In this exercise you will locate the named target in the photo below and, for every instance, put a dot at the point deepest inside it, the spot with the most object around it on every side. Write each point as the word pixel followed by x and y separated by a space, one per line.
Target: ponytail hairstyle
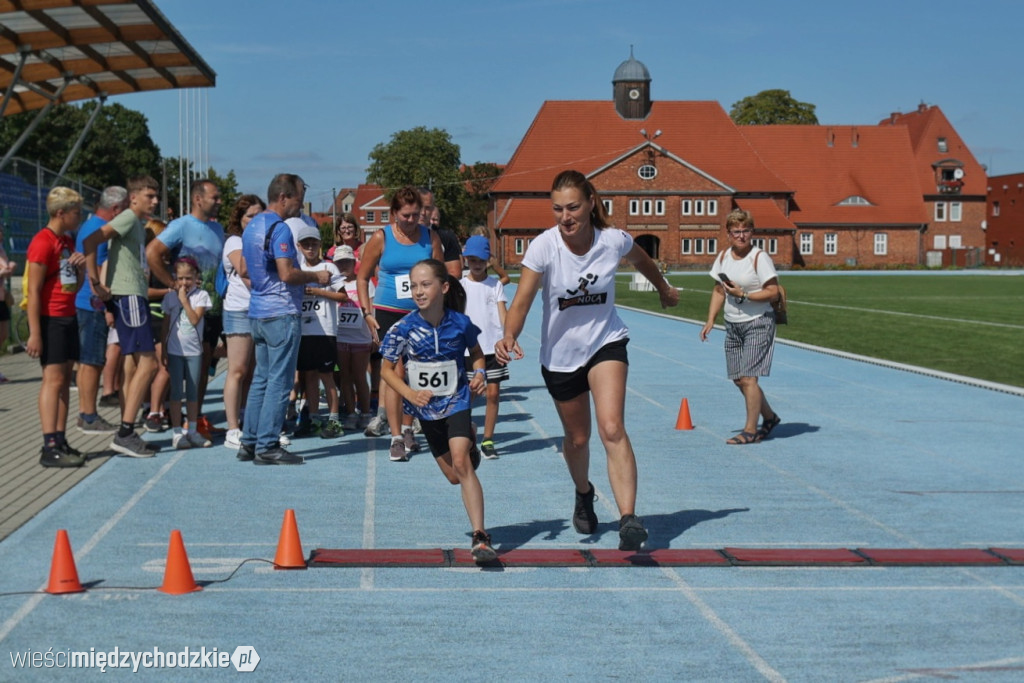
pixel 576 180
pixel 455 297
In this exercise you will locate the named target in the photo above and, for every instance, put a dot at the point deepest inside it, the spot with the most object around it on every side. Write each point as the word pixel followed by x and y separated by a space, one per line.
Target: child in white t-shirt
pixel 486 306
pixel 355 342
pixel 318 349
pixel 182 352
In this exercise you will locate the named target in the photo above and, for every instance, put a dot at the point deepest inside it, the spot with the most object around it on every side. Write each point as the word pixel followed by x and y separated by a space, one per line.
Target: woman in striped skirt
pixel 745 285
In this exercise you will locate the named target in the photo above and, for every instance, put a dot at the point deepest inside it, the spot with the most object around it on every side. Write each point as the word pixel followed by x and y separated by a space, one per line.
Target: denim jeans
pixel 277 350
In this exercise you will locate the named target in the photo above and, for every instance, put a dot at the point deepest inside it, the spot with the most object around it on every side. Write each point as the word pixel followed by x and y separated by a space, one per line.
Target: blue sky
pixel 310 86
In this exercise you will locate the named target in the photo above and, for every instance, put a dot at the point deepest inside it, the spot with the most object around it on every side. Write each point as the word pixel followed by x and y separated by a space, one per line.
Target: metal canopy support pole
pixel 35 122
pixel 81 138
pixel 24 52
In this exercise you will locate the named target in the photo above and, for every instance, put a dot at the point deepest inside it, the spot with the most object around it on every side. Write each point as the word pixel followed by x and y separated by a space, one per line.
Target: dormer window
pixel 855 200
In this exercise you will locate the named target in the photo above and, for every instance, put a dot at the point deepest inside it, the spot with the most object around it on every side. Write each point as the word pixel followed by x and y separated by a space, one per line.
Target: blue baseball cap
pixel 478 246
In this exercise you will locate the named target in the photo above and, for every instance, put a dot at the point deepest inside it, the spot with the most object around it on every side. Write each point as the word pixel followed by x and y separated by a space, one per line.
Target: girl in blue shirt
pixel 432 342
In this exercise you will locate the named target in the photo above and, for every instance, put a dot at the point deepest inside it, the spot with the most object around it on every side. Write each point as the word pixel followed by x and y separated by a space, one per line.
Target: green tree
pixel 227 184
pixel 478 181
pixel 424 158
pixel 772 107
pixel 116 147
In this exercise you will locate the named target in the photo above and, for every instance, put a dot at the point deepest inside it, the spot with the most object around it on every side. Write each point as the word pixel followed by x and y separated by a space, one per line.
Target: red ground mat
pixel 667 557
pixel 930 556
pixel 794 556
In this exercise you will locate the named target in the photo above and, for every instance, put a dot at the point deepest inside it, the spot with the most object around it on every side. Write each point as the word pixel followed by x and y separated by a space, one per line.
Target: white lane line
pixel 34 601
pixel 994 666
pixel 369 512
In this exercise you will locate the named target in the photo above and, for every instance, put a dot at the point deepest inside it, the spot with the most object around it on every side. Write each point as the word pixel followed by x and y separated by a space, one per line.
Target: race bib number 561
pixel 441 378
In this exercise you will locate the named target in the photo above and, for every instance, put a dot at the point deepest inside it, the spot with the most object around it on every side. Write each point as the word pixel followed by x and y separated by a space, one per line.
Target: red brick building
pixel 1005 222
pixel 670 173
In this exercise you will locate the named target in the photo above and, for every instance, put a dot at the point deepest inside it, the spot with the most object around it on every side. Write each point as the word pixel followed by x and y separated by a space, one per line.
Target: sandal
pixel 767 426
pixel 742 439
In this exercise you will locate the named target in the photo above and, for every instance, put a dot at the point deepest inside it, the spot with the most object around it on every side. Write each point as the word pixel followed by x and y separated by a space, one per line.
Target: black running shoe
pixel 632 533
pixel 584 519
pixel 246 453
pixel 54 456
pixel 278 456
pixel 482 551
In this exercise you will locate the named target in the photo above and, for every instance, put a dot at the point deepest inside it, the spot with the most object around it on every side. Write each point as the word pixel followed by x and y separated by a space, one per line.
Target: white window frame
pixel 956 212
pixel 686 245
pixel 698 246
pixel 943 146
pixel 712 207
pixel 698 207
pixel 831 244
pixel 773 245
pixel 940 212
pixel 956 242
pixel 939 242
pixel 607 206
pixel 757 242
pixel 634 207
pixel 712 245
pixel 520 245
pixel 659 207
pixel 806 243
pixel 646 207
pixel 650 169
pixel 385 216
pixel 995 209
pixel 686 207
pixel 371 216
pixel 881 244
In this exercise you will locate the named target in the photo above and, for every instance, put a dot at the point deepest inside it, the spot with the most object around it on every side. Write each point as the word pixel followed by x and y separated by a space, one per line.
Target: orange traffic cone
pixel 178 572
pixel 289 547
pixel 63 575
pixel 683 421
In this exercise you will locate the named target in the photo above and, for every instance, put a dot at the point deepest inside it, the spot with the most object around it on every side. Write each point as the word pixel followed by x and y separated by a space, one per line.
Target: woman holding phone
pixel 745 285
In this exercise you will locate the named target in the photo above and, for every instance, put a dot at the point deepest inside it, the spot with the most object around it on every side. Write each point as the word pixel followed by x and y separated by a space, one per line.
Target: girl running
pixel 432 342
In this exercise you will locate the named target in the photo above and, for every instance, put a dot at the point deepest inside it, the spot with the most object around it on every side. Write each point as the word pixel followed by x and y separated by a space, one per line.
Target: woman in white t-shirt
pixel 237 330
pixel 583 341
pixel 745 285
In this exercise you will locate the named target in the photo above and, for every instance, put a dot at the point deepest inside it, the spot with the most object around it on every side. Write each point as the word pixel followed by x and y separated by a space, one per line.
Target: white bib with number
pixel 403 288
pixel 441 378
pixel 349 317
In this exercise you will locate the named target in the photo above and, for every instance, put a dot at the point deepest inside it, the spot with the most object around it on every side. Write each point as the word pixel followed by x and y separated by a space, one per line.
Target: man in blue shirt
pixel 92 321
pixel 278 284
pixel 199 235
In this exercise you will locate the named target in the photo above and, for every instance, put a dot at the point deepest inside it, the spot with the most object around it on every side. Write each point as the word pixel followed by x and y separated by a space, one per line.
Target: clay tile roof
pixel 925 126
pixel 586 135
pixel 371 196
pixel 880 167
pixel 767 214
pixel 522 213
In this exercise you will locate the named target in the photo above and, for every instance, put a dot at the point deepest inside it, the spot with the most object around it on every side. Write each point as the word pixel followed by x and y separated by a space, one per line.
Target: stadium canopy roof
pixel 58 51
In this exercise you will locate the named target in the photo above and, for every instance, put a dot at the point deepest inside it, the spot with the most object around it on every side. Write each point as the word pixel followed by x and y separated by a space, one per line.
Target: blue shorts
pixel 92 337
pixel 132 323
pixel 236 323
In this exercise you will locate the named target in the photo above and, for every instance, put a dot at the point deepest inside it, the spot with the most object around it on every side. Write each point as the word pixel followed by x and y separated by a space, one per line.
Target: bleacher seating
pixel 22 210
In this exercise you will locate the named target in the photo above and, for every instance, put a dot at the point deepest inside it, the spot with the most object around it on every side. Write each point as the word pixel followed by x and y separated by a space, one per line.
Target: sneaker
pixel 482 550
pixel 179 440
pixel 197 440
pixel 632 533
pixel 304 429
pixel 397 452
pixel 110 400
pixel 376 426
pixel 584 520
pixel 351 422
pixel 409 439
pixel 364 421
pixel 233 439
pixel 132 445
pixel 246 453
pixel 416 427
pixel 284 440
pixel 97 426
pixel 53 456
pixel 278 456
pixel 206 428
pixel 68 449
pixel 154 423
pixel 490 452
pixel 332 430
